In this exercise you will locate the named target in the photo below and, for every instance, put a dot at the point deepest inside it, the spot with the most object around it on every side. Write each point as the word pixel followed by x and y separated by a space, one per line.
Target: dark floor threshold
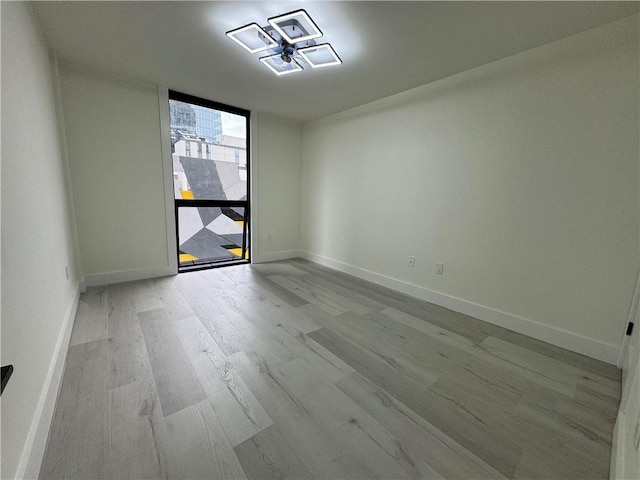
pixel 208 266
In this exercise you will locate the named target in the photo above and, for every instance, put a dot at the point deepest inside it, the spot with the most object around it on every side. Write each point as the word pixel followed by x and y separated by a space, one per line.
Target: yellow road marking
pixel 238 252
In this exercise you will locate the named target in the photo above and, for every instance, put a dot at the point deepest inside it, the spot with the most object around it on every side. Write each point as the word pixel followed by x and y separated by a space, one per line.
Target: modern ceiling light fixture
pixel 252 38
pixel 290 40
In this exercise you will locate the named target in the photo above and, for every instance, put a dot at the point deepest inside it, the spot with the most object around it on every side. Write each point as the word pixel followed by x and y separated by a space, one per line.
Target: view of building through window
pixel 209 150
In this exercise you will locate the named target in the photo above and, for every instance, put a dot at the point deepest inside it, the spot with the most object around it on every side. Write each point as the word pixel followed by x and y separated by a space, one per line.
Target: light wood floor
pixel 290 370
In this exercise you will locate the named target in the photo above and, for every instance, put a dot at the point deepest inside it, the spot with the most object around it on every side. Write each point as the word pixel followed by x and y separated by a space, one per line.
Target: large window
pixel 210 149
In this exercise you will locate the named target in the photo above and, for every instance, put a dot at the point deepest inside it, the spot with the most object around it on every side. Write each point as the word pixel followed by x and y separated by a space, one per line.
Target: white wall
pixel 520 176
pixel 38 301
pixel 113 132
pixel 277 196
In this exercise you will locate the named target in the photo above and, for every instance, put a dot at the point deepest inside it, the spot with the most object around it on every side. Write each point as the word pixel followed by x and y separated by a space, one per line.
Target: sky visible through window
pixel 233 125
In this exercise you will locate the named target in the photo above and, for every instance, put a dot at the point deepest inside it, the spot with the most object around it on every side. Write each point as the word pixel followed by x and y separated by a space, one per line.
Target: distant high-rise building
pixel 183 116
pixel 208 124
pixel 203 122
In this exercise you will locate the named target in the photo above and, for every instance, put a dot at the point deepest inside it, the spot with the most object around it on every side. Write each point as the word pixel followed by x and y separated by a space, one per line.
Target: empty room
pixel 328 240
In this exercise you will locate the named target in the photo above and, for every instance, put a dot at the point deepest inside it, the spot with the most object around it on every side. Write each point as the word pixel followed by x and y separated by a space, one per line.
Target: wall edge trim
pixel 107 278
pixel 34 448
pixel 275 256
pixel 616 468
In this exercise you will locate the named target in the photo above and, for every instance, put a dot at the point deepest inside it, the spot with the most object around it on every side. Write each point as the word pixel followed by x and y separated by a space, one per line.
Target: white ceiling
pixel 386 47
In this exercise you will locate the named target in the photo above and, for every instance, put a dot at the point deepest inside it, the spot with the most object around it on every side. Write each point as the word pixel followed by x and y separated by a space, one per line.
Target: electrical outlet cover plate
pixel 439 268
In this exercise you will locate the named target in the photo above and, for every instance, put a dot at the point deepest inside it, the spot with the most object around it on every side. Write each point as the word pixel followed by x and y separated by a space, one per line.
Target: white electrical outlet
pixel 439 268
pixel 412 261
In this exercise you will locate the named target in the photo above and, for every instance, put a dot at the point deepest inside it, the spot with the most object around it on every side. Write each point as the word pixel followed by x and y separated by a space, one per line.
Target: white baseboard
pixel 561 338
pixel 33 453
pixel 616 468
pixel 275 256
pixel 625 460
pixel 108 278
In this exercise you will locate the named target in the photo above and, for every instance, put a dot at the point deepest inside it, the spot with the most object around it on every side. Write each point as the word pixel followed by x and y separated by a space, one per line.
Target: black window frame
pixel 246 204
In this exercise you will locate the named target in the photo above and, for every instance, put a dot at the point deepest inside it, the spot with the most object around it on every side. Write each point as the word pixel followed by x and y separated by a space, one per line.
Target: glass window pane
pixel 212 234
pixel 209 149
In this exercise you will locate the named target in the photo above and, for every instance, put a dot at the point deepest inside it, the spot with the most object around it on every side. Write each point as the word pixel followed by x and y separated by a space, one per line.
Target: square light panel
pixel 318 56
pixel 252 38
pixel 279 66
pixel 295 26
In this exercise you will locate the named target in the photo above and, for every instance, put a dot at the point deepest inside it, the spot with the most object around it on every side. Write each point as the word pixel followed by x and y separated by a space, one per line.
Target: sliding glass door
pixel 210 150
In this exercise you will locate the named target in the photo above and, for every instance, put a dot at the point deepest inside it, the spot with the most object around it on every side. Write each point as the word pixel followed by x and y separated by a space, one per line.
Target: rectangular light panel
pixel 305 28
pixel 279 66
pixel 252 38
pixel 318 56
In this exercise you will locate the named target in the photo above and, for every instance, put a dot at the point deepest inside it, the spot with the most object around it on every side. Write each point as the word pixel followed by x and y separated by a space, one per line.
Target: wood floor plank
pixel 345 301
pixel 237 410
pixel 145 297
pixel 603 402
pixel 250 299
pixel 138 439
pixel 207 307
pixel 566 357
pixel 275 335
pixel 343 467
pixel 281 294
pixel 277 268
pixel 289 415
pixel 198 443
pixel 227 373
pixel 382 370
pixel 256 277
pixel 127 350
pixel 514 371
pixel 589 446
pixel 483 394
pixel 248 274
pixel 91 317
pixel 79 433
pixel 248 326
pixel 370 303
pixel 171 299
pixel 459 423
pixel 223 327
pixel 358 433
pixel 374 333
pixel 556 450
pixel 599 422
pixel 536 466
pixel 324 302
pixel 323 361
pixel 547 366
pixel 254 302
pixel 176 382
pixel 291 328
pixel 268 455
pixel 319 316
pixel 463 325
pixel 420 439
